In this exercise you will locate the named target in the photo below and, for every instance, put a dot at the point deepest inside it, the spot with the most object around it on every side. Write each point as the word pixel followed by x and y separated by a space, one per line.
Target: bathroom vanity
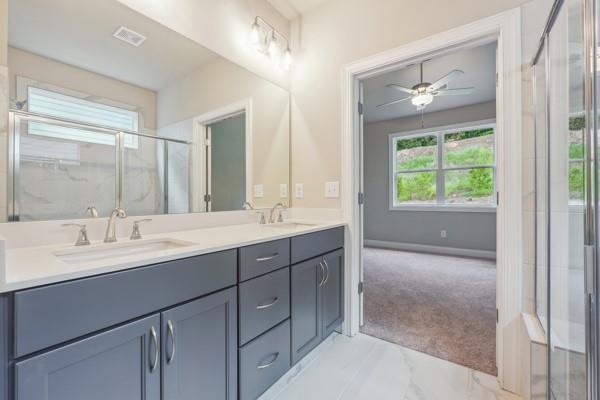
pixel 225 324
pixel 127 128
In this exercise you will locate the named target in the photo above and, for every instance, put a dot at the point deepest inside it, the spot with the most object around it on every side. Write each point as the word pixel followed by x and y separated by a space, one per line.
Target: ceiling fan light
pixel 422 99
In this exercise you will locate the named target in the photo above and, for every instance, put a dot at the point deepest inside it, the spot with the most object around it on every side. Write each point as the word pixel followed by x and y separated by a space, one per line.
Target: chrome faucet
pixel 272 215
pixel 110 235
pixel 247 206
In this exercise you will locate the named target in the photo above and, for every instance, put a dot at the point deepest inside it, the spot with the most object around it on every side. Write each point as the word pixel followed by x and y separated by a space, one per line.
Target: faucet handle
pixel 280 217
pixel 92 211
pixel 263 219
pixel 82 238
pixel 135 233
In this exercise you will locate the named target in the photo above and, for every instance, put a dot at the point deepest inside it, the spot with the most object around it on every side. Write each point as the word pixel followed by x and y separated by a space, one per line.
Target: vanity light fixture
pixel 255 35
pixel 268 41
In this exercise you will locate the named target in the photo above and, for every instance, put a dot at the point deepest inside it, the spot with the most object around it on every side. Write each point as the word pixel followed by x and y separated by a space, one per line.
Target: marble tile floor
pixel 364 367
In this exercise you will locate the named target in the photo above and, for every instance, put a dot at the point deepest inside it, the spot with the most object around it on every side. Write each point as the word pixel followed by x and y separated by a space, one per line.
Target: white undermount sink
pixel 290 225
pixel 115 250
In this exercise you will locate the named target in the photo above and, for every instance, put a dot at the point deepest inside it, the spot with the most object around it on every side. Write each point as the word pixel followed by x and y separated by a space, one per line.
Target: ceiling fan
pixel 422 94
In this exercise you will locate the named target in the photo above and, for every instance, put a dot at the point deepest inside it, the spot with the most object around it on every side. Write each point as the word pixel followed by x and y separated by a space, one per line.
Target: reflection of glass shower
pixel 59 168
pixel 566 199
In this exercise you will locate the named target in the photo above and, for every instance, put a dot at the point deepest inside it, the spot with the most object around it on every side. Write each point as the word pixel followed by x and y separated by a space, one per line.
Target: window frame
pixel 440 170
pixel 25 84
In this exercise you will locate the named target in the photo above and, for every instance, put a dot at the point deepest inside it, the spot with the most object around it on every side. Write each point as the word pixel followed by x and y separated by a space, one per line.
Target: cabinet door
pixel 333 292
pixel 306 307
pixel 199 341
pixel 120 364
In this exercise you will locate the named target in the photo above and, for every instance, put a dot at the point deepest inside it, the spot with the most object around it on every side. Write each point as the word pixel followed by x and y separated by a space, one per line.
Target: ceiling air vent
pixel 129 36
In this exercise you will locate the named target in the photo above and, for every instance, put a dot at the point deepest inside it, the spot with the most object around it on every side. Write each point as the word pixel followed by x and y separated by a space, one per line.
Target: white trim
pixel 424 248
pixel 484 123
pixel 505 28
pixel 200 124
pixel 444 208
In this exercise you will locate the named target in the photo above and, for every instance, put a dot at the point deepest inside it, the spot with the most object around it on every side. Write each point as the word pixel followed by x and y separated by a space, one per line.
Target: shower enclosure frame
pixel 15 118
pixel 590 187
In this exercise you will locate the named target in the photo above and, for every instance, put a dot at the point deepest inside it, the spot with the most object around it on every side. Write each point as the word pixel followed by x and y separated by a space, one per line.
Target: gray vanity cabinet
pixel 199 348
pixel 317 301
pixel 333 292
pixel 306 307
pixel 119 364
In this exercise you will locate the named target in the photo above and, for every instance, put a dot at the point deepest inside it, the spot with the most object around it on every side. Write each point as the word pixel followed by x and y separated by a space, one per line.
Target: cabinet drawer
pixel 262 258
pixel 264 302
pixel 50 315
pixel 314 244
pixel 264 360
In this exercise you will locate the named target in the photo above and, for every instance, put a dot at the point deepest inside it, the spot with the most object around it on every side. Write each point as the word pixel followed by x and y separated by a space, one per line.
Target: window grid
pixel 440 169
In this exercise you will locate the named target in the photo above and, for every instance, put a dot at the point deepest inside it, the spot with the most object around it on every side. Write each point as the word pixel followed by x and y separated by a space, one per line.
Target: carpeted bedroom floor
pixel 444 306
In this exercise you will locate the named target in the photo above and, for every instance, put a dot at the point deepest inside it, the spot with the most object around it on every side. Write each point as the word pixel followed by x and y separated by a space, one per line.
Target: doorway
pixel 225 155
pixel 222 163
pixel 429 225
pixel 505 28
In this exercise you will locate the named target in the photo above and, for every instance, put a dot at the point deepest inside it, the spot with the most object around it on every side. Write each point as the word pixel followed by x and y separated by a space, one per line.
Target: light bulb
pixel 422 99
pixel 255 35
pixel 273 49
pixel 287 58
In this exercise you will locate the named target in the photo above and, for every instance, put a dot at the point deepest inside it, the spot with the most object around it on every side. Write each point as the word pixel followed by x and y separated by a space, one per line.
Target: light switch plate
pixel 299 190
pixel 283 190
pixel 332 190
pixel 259 191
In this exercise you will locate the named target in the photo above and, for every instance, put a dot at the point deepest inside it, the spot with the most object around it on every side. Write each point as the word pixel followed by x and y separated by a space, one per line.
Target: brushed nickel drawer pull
pixel 171 334
pixel 267 365
pixel 262 306
pixel 327 267
pixel 154 338
pixel 322 273
pixel 267 258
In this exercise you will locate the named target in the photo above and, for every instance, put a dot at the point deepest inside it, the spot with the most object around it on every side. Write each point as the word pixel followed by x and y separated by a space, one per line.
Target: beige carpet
pixel 440 305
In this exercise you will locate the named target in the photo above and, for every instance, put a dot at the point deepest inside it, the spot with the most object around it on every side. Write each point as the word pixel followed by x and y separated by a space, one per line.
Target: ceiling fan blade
pixel 454 92
pixel 401 88
pixel 394 102
pixel 440 83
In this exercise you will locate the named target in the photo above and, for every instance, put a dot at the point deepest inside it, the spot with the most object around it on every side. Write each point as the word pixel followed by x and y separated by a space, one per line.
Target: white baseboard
pixel 423 248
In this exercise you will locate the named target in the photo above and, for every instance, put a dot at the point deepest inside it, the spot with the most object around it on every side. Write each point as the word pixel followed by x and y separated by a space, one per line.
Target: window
pixel 451 167
pixel 74 108
pixel 576 159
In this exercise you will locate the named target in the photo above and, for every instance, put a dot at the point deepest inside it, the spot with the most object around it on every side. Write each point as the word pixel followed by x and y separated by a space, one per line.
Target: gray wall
pixel 465 230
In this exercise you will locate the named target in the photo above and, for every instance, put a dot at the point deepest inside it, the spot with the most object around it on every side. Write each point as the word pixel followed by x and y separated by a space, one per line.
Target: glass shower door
pixel 566 204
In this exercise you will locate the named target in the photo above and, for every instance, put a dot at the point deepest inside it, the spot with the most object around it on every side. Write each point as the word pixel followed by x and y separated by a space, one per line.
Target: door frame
pixel 505 28
pixel 201 124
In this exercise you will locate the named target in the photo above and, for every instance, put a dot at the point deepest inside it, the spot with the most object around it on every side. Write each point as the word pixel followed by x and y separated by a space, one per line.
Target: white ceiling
pixel 478 64
pixel 79 32
pixel 293 8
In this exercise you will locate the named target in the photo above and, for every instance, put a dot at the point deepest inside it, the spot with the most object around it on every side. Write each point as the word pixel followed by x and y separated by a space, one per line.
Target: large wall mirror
pixel 111 109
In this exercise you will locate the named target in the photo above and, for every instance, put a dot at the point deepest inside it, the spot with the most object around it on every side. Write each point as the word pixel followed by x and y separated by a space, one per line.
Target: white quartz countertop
pixel 28 267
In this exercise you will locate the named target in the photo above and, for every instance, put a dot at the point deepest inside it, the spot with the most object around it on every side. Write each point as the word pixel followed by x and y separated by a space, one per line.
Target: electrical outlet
pixel 332 190
pixel 299 190
pixel 259 191
pixel 443 233
pixel 283 191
